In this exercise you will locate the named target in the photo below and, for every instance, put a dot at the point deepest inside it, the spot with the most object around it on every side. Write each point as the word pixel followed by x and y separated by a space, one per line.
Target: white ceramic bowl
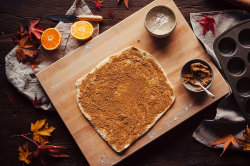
pixel 160 21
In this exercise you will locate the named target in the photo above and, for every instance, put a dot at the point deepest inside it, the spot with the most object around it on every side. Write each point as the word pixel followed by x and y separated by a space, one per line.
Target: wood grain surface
pixel 177 147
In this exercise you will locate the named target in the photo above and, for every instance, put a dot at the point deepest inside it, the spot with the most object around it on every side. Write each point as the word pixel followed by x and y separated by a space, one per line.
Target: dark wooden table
pixel 176 147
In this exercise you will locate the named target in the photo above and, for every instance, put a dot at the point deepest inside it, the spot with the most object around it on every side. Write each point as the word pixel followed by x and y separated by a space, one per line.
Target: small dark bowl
pixel 186 70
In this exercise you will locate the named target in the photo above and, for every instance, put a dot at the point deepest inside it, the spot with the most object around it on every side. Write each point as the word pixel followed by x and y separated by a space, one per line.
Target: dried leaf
pixel 41 131
pixel 43 150
pixel 208 23
pixel 34 64
pixel 38 125
pixel 10 98
pixel 22 31
pixel 20 34
pixel 45 131
pixel 23 53
pixel 111 14
pixel 30 52
pixel 27 46
pixel 245 143
pixel 98 4
pixel 125 2
pixel 35 30
pixel 226 141
pixel 55 151
pixel 24 153
pixel 23 42
pixel 28 42
pixel 37 102
pixel 40 139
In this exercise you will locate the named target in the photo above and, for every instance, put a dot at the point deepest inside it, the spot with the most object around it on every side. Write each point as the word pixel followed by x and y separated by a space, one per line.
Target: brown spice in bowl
pixel 198 71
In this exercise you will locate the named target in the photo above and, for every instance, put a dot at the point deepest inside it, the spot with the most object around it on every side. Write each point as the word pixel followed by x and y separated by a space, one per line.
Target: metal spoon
pixel 198 83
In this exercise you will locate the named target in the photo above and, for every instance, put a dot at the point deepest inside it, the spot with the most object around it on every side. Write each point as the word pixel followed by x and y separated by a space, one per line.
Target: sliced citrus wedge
pixel 51 39
pixel 82 30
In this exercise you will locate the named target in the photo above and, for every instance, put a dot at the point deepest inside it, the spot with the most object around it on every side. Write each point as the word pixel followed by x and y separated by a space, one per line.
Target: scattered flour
pixel 87 46
pixel 160 21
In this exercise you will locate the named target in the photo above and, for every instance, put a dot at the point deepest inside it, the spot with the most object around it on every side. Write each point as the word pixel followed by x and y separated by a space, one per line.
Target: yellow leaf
pixel 41 131
pixel 23 41
pixel 46 130
pixel 24 153
pixel 40 139
pixel 245 143
pixel 38 125
pixel 226 141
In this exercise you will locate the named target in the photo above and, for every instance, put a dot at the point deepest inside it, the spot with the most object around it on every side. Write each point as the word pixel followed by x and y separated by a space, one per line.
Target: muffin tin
pixel 232 48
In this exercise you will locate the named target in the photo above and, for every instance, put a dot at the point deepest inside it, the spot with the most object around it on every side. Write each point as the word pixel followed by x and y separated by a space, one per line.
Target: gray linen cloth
pixel 228 119
pixel 22 76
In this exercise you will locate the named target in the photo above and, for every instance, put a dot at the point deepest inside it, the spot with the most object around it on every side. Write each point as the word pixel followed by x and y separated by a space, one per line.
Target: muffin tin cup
pixel 232 49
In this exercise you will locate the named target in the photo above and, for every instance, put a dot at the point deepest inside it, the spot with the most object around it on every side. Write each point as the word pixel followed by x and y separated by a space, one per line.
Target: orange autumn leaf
pixel 245 143
pixel 23 53
pixel 125 2
pixel 24 153
pixel 22 31
pixel 23 41
pixel 20 34
pixel 41 131
pixel 25 49
pixel 226 141
pixel 27 45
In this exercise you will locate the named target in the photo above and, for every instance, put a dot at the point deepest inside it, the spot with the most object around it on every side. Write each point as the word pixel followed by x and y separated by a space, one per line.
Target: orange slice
pixel 51 39
pixel 82 30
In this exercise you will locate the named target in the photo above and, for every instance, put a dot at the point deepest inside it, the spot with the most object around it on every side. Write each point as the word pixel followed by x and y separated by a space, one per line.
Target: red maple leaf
pixel 10 98
pixel 34 64
pixel 55 151
pixel 35 30
pixel 43 150
pixel 37 102
pixel 98 4
pixel 208 23
pixel 111 14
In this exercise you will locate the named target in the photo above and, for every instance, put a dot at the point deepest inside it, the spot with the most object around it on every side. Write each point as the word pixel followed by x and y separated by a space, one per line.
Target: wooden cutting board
pixel 58 80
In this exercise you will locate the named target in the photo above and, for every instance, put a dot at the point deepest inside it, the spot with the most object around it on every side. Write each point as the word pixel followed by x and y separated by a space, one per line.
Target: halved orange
pixel 82 30
pixel 51 39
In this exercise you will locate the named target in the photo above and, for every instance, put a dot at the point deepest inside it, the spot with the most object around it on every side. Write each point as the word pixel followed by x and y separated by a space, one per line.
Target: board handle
pixel 90 18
